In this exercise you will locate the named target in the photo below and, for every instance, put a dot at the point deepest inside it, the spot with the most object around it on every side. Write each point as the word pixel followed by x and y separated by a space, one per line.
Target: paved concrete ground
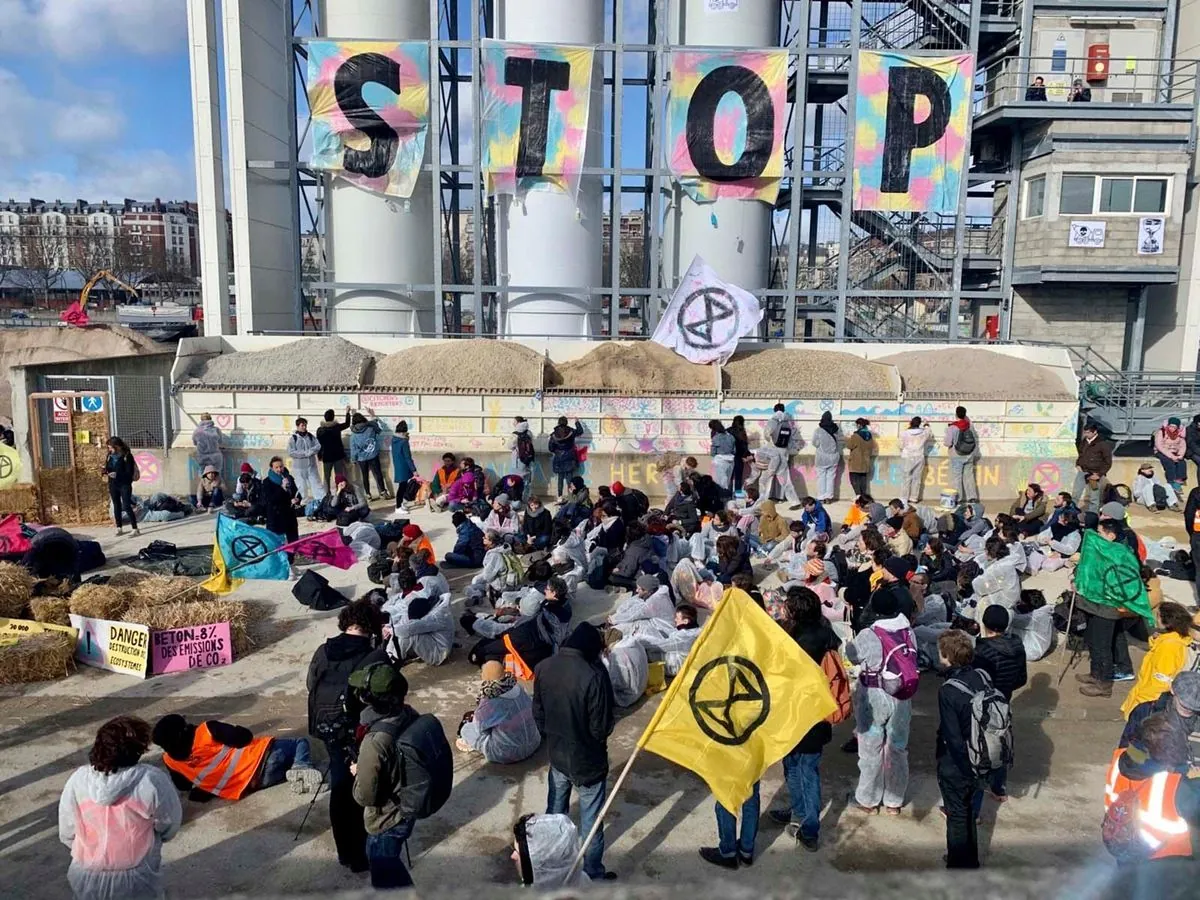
pixel 1064 742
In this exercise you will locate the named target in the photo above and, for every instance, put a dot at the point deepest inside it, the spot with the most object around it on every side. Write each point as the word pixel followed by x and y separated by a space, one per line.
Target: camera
pixel 342 734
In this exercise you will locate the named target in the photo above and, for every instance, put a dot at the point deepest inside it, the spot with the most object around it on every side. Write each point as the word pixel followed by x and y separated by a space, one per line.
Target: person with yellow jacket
pixel 1167 657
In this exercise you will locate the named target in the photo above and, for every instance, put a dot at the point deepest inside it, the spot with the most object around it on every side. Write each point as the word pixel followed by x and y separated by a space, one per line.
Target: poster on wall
pixel 726 113
pixel 1087 234
pixel 912 131
pixel 1150 235
pixel 370 112
pixel 535 101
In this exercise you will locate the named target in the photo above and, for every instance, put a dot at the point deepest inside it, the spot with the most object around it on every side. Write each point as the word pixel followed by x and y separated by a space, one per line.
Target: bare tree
pixel 90 250
pixel 43 260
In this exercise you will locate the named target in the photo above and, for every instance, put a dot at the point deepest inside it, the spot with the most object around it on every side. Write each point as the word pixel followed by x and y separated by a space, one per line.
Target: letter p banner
pixel 903 134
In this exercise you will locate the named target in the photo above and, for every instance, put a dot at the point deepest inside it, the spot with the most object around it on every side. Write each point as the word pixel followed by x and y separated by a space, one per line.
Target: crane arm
pixel 92 282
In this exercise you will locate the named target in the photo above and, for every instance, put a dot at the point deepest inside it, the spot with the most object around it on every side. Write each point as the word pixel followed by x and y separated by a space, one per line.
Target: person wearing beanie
pixel 1170 446
pixel 1115 511
pixel 881 720
pixel 502 520
pixel 468 549
pixel 648 610
pixel 1180 705
pixel 1001 654
pixel 404 468
pixel 573 705
pixel 246 501
pixel 413 537
pixel 632 503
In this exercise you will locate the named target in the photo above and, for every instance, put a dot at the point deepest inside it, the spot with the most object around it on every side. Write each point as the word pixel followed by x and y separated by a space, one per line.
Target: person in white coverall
pixel 780 438
pixel 302 447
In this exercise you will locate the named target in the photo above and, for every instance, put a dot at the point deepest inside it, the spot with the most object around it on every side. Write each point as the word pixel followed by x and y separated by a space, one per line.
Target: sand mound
pixel 470 365
pixel 25 346
pixel 972 372
pixel 331 362
pixel 632 368
pixel 777 371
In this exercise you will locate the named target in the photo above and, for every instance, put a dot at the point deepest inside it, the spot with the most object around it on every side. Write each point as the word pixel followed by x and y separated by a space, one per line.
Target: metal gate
pixel 69 432
pixel 139 411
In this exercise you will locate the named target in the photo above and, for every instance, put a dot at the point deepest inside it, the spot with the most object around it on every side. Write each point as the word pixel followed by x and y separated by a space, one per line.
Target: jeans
pixel 860 483
pixel 914 477
pixel 958 795
pixel 962 477
pixel 826 482
pixel 368 467
pixel 729 842
pixel 562 482
pixel 802 772
pixel 327 468
pixel 739 473
pixel 1174 470
pixel 345 816
pixel 591 801
pixel 1108 646
pixel 285 754
pixel 1195 543
pixel 461 561
pixel 122 501
pixel 213 500
pixel 384 855
pixel 882 724
pixel 308 482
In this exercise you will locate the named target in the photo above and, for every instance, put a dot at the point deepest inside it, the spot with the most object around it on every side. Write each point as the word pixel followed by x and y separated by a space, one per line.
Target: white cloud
pixel 141 175
pixel 72 29
pixel 36 125
pixel 99 121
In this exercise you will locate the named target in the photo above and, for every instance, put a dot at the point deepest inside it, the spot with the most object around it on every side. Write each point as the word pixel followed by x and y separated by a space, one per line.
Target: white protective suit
pixel 503 729
pixel 429 638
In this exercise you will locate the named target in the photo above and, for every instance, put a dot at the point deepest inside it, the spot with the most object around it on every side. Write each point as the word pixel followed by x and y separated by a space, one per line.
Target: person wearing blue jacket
pixel 403 467
pixel 364 450
pixel 468 548
pixel 815 517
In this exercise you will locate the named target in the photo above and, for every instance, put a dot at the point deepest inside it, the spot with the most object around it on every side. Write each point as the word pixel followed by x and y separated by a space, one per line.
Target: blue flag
pixel 240 544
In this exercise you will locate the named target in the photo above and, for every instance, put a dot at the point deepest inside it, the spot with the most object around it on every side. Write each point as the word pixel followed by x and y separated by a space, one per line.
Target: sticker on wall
pixel 912 131
pixel 1087 234
pixel 1150 235
pixel 534 112
pixel 370 111
pixel 725 118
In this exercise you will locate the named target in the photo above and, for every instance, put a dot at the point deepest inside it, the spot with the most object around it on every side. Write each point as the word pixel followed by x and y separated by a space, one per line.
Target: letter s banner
pixel 725 118
pixel 535 104
pixel 370 111
pixel 912 120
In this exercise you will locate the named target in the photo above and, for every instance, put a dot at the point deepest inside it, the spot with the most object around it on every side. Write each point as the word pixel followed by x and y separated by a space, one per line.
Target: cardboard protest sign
pixel 193 647
pixel 117 646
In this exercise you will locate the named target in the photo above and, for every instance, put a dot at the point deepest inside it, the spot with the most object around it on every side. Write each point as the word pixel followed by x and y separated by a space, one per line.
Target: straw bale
pixel 241 617
pixel 154 590
pixel 53 610
pixel 53 587
pixel 469 365
pixel 783 372
pixel 98 601
pixel 40 657
pixel 16 587
pixel 973 372
pixel 630 368
pixel 21 499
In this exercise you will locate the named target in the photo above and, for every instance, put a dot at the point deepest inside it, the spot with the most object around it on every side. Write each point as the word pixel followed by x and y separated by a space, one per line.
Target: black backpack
pixel 1160 497
pixel 525 452
pixel 966 443
pixel 313 591
pixel 784 438
pixel 426 765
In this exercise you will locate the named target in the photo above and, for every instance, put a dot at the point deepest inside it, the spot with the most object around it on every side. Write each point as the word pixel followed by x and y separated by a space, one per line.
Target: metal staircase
pixel 1130 405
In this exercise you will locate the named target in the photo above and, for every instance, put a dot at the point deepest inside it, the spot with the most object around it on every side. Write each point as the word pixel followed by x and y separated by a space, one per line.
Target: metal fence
pixel 138 412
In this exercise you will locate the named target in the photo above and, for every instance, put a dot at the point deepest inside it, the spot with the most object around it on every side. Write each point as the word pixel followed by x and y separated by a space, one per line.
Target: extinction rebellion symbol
pixel 700 314
pixel 248 548
pixel 729 699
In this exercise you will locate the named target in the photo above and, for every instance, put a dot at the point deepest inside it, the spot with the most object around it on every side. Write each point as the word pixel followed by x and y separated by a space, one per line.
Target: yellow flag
pixel 744 698
pixel 220 582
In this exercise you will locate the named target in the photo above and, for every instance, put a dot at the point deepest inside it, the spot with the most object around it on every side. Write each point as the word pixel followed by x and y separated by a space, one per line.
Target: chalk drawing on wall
pixel 571 406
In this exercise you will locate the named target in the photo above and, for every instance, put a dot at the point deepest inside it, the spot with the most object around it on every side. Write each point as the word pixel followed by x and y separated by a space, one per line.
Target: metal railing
pixel 1064 80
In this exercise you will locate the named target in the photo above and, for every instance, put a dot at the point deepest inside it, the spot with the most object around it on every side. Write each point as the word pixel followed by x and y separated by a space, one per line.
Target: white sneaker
pixel 303 779
pixel 120 531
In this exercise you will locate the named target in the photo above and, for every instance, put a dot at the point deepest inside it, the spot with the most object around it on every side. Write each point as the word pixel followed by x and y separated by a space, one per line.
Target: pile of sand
pixel 975 373
pixel 25 346
pixel 632 368
pixel 328 363
pixel 470 365
pixel 782 372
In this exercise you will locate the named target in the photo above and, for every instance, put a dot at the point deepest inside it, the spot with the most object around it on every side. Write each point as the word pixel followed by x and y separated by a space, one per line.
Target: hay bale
pixel 98 601
pixel 238 614
pixel 40 657
pixel 782 372
pixel 53 587
pixel 630 368
pixel 16 587
pixel 472 365
pixel 154 590
pixel 975 373
pixel 51 610
pixel 21 499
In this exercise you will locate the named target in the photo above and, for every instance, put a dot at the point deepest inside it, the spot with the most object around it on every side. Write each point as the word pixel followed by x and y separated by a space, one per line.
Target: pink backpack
pixel 898 676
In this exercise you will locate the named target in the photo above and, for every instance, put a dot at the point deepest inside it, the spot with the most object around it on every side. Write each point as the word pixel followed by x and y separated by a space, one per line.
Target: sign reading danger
pixel 116 646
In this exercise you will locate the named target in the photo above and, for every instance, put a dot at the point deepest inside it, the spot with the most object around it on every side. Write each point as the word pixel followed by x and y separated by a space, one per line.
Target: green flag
pixel 1109 574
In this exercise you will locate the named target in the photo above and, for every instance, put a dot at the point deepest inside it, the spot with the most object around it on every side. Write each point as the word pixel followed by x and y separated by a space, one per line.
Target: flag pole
pixel 612 795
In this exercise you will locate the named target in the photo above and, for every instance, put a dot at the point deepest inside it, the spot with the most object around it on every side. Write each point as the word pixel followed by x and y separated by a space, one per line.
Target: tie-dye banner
pixel 535 103
pixel 370 111
pixel 725 118
pixel 911 131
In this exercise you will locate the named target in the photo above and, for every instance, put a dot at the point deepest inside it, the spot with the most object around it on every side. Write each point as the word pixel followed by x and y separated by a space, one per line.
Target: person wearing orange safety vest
pixel 216 759
pixel 1149 779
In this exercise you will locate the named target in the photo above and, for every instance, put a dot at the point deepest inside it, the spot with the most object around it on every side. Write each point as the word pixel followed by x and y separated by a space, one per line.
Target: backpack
pixel 783 439
pixel 839 686
pixel 1120 831
pixel 966 443
pixel 426 765
pixel 899 675
pixel 525 452
pixel 1160 497
pixel 514 570
pixel 990 741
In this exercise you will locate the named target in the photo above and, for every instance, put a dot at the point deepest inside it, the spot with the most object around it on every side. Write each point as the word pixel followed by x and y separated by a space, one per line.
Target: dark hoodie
pixel 1003 658
pixel 561 445
pixel 573 706
pixel 1192 436
pixel 329 436
pixel 327 675
pixel 539 524
pixel 816 640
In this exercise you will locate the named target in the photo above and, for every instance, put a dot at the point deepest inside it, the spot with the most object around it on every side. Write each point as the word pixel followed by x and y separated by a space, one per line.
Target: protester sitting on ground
pixel 512 487
pixel 1166 658
pixel 628 668
pixel 246 501
pixel 898 541
pixel 999 582
pixel 443 476
pixel 940 563
pixel 200 761
pixel 576 507
pixel 769 529
pixel 501 725
pixel 1033 623
pixel 544 849
pixel 529 642
pixel 681 508
pixel 648 607
pixel 1062 539
pixel 469 549
pixel 704 544
pixel 893 581
pixel 462 493
pixel 604 544
pixel 210 491
pixel 502 519
pixel 422 627
pixel 1029 509
pixel 640 556
pixel 733 558
pixel 502 571
pixel 1151 491
pixel 815 518
pixel 512 607
pixel 632 503
pixel 537 525
pixel 1016 550
pixel 1181 706
pixel 343 506
pixel 115 814
pixel 680 473
pixel 570 569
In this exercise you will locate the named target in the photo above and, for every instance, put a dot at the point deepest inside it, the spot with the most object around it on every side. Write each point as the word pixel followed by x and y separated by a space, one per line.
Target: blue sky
pixel 95 100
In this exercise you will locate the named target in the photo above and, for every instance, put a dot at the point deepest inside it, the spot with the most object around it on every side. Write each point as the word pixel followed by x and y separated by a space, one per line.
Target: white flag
pixel 706 316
